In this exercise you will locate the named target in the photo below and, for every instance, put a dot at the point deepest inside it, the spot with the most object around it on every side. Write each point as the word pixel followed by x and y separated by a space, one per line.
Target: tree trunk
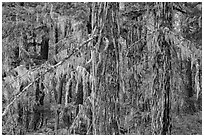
pixel 56 38
pixel 59 101
pixel 44 46
pixel 161 114
pixel 189 82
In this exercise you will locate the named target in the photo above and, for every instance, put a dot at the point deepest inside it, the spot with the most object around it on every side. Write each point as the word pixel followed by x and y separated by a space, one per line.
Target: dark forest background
pixel 101 68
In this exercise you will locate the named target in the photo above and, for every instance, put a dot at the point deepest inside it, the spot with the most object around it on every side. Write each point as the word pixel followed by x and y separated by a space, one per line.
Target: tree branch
pixel 53 67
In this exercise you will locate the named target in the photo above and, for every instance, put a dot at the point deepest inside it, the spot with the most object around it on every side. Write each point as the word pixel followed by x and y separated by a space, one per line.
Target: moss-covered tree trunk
pixel 37 117
pixel 58 97
pixel 161 110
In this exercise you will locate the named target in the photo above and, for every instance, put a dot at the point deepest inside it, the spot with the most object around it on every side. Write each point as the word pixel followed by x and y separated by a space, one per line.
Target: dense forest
pixel 101 68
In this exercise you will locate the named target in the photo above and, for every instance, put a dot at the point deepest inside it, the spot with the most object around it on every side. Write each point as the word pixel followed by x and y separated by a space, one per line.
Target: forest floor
pixel 184 124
